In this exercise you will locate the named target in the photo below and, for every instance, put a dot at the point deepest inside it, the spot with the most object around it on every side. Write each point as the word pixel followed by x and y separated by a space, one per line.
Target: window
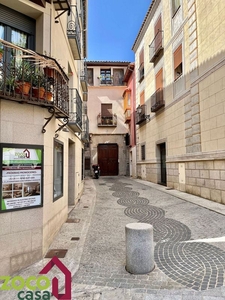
pixel 175 6
pixel 18 28
pixel 142 152
pixel 58 170
pixel 90 76
pixel 106 113
pixel 178 70
pixel 1 32
pixel 158 34
pixel 157 98
pixel 142 98
pixel 105 76
pixel 19 38
pixel 141 65
pixel 118 75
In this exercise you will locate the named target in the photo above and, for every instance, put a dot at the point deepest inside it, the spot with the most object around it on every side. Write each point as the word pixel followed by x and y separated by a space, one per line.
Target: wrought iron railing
pixel 85 129
pixel 156 46
pixel 75 113
pixel 29 77
pixel 141 71
pixel 140 114
pixel 83 72
pixel 157 101
pixel 107 120
pixel 74 31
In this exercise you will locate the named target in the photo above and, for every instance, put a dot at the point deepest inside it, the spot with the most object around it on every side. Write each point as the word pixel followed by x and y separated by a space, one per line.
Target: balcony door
pixel 108 159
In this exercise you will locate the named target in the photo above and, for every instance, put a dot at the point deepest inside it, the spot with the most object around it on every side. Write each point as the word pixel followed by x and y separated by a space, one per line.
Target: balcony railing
pixel 74 32
pixel 32 78
pixel 141 71
pixel 75 113
pixel 140 115
pixel 157 101
pixel 85 129
pixel 127 115
pixel 109 80
pixel 83 77
pixel 156 46
pixel 107 120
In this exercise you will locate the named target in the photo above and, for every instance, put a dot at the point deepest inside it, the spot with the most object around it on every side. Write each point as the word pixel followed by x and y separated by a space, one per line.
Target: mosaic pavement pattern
pixel 181 264
pixel 195 265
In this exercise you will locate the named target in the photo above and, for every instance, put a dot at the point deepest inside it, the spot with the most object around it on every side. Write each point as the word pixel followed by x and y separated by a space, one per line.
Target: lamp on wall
pixel 139 109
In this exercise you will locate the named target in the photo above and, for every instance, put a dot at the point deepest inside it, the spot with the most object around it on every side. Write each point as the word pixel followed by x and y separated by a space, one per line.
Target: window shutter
pixel 106 110
pixel 178 57
pixel 141 57
pixel 159 79
pixel 17 20
pixel 142 98
pixel 158 25
pixel 158 34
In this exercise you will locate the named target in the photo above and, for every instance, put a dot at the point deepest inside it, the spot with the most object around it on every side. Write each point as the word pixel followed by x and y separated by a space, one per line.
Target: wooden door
pixel 108 159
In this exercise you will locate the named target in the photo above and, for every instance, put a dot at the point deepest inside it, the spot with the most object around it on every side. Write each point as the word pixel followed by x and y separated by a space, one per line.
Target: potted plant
pixel 1 51
pixel 48 91
pixel 49 72
pixel 24 74
pixel 39 82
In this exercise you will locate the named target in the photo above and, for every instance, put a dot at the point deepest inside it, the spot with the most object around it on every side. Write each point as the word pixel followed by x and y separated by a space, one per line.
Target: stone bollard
pixel 139 248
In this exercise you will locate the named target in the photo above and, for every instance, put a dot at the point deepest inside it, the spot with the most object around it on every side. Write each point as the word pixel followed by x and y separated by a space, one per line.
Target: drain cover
pixel 72 220
pixel 60 253
pixel 85 206
pixel 75 239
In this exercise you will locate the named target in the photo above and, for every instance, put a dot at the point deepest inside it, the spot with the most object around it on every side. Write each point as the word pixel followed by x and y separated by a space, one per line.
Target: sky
pixel 113 27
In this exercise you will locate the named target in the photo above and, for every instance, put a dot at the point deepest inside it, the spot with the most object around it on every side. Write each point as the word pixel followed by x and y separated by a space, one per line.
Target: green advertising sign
pixel 21 184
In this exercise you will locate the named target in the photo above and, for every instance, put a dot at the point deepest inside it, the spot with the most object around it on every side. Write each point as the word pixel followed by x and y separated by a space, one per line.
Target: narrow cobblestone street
pixel 189 244
pixel 183 266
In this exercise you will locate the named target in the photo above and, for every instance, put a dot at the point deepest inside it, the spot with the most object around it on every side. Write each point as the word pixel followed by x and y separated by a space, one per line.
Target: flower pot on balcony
pixel 38 92
pixel 49 72
pixel 48 96
pixel 22 87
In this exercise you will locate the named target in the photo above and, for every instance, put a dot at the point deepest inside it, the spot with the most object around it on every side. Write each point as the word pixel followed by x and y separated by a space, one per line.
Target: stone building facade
pixel 107 126
pixel 179 59
pixel 41 138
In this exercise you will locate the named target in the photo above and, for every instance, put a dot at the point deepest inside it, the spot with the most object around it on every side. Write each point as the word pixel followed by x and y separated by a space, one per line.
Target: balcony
pixel 156 46
pixel 83 77
pixel 85 130
pixel 127 115
pixel 110 121
pixel 24 79
pixel 74 33
pixel 157 101
pixel 140 114
pixel 75 113
pixel 105 80
pixel 141 71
